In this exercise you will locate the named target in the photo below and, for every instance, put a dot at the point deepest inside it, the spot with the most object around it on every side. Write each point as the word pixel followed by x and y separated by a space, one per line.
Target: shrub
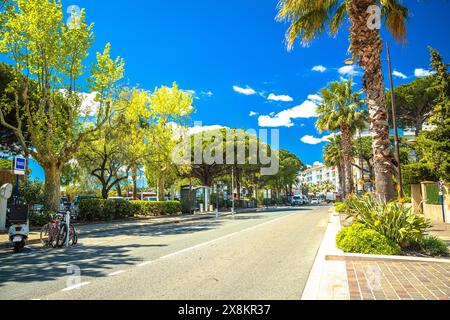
pixel 340 207
pixel 360 239
pixel 434 246
pixel 394 220
pixel 156 208
pixel 105 210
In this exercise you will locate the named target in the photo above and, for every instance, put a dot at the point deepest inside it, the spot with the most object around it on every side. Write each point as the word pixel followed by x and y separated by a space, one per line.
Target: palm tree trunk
pixel 341 172
pixel 347 154
pixel 366 46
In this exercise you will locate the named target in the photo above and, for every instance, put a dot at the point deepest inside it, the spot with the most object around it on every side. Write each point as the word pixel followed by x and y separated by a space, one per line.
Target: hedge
pixel 105 210
pixel 360 239
pixel 156 208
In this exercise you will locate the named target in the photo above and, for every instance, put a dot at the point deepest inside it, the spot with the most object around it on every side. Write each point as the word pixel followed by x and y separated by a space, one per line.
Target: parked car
pixel 306 200
pixel 315 201
pixel 297 201
pixel 153 199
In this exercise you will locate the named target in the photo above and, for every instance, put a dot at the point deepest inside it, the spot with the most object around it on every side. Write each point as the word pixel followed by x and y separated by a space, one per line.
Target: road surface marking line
pixel 77 286
pixel 116 273
pixel 145 263
pixel 221 238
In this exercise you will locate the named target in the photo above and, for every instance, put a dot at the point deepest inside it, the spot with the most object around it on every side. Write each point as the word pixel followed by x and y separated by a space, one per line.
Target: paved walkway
pixel 398 280
pixel 340 276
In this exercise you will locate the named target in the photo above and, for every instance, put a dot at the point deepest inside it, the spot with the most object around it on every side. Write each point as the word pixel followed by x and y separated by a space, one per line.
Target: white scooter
pixel 19 230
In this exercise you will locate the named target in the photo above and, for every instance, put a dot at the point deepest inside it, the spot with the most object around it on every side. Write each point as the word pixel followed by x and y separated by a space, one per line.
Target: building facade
pixel 319 173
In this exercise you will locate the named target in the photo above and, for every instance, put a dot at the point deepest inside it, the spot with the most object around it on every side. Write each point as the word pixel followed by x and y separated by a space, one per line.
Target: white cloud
pixel 191 92
pixel 349 71
pixel 398 74
pixel 253 113
pixel 313 140
pixel 307 109
pixel 246 91
pixel 198 129
pixel 282 98
pixel 420 73
pixel 319 68
pixel 315 98
pixel 207 93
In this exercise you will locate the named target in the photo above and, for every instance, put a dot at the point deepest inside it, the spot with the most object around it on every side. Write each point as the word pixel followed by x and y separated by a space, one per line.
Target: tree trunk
pixel 161 188
pixel 366 46
pixel 52 187
pixel 105 192
pixel 347 154
pixel 119 189
pixel 134 178
pixel 341 173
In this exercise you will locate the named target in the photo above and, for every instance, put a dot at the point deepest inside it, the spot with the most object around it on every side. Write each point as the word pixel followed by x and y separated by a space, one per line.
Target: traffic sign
pixel 441 186
pixel 20 165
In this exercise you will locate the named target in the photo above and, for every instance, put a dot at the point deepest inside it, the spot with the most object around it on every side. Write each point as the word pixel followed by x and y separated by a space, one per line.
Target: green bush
pixel 394 220
pixel 105 210
pixel 434 246
pixel 360 239
pixel 340 207
pixel 156 208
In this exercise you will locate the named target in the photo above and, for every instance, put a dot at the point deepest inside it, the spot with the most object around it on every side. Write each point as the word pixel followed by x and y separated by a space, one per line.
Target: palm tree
pixel 311 18
pixel 332 155
pixel 341 109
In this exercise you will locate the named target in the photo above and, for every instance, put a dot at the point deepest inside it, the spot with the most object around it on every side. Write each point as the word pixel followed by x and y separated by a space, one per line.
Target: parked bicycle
pixel 54 234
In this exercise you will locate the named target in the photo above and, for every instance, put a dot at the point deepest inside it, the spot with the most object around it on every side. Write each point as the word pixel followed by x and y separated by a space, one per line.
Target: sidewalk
pixel 87 229
pixel 342 276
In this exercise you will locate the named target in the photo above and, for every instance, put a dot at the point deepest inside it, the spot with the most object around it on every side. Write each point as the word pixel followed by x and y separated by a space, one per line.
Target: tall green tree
pixel 309 19
pixel 414 102
pixel 332 155
pixel 435 144
pixel 170 107
pixel 341 109
pixel 35 37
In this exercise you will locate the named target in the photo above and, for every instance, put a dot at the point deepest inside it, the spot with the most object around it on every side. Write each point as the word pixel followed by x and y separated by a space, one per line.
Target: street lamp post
pixel 232 191
pixel 394 124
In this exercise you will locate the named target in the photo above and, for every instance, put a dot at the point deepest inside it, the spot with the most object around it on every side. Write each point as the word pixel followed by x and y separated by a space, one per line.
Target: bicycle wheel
pixel 61 239
pixel 48 238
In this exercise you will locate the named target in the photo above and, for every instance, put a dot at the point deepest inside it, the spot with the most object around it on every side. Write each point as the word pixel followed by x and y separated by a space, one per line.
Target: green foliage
pixel 433 246
pixel 340 207
pixel 156 208
pixel 40 219
pixel 105 210
pixel 360 239
pixel 435 144
pixel 395 221
pixel 417 172
pixel 32 192
pixel 5 164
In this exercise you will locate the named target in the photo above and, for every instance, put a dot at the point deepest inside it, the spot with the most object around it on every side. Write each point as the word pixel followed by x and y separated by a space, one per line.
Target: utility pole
pixel 394 123
pixel 232 191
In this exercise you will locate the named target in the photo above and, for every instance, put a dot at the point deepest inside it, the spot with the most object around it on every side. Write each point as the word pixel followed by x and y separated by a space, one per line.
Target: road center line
pixel 116 273
pixel 77 286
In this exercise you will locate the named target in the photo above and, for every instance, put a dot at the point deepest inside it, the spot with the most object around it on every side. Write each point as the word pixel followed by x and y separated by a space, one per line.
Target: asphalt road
pixel 256 256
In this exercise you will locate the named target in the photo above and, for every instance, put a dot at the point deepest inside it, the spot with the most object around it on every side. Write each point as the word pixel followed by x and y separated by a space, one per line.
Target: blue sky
pixel 217 48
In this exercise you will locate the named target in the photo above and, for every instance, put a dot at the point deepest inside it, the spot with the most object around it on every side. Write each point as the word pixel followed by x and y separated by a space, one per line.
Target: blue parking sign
pixel 20 164
pixel 440 184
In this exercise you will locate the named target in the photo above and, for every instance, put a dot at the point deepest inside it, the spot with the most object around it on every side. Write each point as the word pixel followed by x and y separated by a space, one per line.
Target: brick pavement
pixel 398 280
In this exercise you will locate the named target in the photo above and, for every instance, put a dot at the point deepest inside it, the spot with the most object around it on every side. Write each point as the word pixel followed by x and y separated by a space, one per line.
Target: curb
pixel 370 257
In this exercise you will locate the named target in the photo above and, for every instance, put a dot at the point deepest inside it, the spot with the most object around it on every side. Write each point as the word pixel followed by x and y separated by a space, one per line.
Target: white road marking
pixel 77 286
pixel 145 263
pixel 323 223
pixel 116 273
pixel 213 241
